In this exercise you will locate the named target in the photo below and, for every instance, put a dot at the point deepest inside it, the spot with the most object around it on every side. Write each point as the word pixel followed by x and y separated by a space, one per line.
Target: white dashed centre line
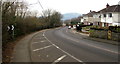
pixel 63 50
pixel 42 48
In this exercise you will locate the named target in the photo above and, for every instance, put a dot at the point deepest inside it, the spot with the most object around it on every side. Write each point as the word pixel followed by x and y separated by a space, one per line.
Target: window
pixel 104 15
pixel 110 14
pixel 104 24
pixel 98 23
pixel 100 16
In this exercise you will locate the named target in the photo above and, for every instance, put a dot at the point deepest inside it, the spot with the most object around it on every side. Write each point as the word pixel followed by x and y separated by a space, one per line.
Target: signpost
pixel 10 30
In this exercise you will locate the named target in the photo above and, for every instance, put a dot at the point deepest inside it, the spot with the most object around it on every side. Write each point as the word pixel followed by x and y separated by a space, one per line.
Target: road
pixel 63 45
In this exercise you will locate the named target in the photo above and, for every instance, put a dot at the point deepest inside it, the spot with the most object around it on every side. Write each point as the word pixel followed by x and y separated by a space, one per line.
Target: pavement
pixel 22 49
pixel 63 45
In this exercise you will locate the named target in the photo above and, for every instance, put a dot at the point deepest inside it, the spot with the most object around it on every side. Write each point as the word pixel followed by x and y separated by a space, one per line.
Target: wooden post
pixel 109 34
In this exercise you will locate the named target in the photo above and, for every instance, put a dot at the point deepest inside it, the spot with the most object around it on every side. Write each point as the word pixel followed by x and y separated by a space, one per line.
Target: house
pixel 97 19
pixel 109 16
pixel 88 19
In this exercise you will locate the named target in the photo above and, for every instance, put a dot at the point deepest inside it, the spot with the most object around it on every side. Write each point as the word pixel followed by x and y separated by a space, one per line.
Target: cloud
pixel 67 6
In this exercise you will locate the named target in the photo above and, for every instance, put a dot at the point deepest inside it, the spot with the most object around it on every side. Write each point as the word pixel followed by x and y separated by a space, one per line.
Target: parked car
pixel 69 27
pixel 74 26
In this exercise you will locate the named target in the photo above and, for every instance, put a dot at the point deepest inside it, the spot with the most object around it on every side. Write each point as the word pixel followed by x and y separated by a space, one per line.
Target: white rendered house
pixel 110 16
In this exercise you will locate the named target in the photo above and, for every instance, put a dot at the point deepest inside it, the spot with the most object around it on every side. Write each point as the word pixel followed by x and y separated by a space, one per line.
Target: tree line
pixel 73 21
pixel 25 21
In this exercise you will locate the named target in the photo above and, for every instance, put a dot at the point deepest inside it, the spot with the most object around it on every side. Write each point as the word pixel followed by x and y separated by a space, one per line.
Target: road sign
pixel 12 27
pixel 8 28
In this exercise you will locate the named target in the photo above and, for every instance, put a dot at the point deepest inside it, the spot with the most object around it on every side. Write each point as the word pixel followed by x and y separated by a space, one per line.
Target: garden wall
pixel 115 36
pixel 104 34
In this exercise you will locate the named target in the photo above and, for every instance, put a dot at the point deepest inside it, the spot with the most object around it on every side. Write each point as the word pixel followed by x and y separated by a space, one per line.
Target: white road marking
pixel 47 56
pixel 43 34
pixel 59 59
pixel 66 30
pixel 42 41
pixel 42 48
pixel 35 42
pixel 63 50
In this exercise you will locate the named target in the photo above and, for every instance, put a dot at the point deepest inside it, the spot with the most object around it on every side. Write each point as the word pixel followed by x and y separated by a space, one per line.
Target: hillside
pixel 70 16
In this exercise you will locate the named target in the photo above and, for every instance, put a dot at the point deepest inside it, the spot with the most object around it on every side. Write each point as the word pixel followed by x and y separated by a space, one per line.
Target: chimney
pixel 107 5
pixel 90 10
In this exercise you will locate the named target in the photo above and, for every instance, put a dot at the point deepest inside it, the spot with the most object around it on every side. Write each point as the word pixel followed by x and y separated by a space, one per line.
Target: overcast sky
pixel 71 6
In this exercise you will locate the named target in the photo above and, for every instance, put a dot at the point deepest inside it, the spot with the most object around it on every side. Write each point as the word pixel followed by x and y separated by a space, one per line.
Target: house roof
pixel 114 8
pixel 90 14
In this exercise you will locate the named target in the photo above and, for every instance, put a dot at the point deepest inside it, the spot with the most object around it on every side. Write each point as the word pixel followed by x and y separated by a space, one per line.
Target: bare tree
pixel 52 18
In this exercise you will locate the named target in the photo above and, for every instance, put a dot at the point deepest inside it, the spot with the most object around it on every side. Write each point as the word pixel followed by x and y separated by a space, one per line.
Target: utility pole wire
pixel 40 4
pixel 33 4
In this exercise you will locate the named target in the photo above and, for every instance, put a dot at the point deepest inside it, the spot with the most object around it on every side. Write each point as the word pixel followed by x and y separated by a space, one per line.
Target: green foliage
pixel 75 21
pixel 99 28
pixel 112 28
pixel 87 27
pixel 115 28
pixel 118 30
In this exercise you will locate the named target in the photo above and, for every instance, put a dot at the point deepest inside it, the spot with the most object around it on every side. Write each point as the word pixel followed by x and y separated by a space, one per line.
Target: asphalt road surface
pixel 63 45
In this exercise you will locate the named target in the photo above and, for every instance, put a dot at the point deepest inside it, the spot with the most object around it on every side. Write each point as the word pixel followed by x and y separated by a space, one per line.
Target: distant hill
pixel 70 16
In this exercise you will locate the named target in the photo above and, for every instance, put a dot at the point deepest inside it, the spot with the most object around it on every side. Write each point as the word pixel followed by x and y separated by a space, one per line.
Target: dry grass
pixel 8 49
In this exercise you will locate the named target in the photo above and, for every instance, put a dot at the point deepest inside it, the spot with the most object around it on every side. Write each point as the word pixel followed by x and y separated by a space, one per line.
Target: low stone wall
pixel 104 34
pixel 115 36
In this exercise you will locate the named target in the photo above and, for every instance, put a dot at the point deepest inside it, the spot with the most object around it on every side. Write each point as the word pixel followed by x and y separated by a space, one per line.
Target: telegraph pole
pixel 1 31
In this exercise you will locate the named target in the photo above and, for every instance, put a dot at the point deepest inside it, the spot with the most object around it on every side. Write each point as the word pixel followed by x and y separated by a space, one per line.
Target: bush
pixel 98 28
pixel 25 22
pixel 115 29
